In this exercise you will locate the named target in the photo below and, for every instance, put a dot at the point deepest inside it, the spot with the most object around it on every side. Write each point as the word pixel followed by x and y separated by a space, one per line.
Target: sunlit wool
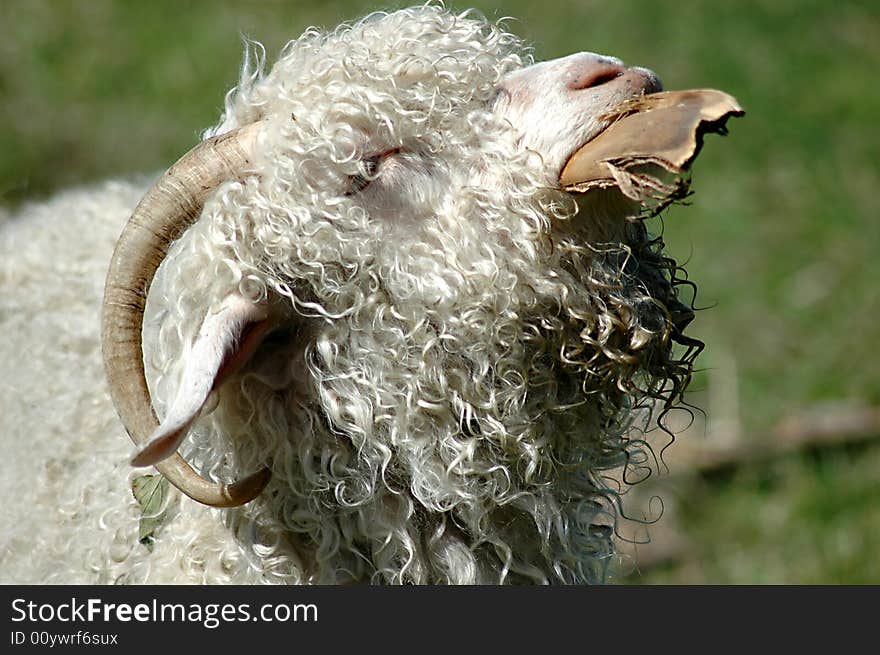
pixel 459 347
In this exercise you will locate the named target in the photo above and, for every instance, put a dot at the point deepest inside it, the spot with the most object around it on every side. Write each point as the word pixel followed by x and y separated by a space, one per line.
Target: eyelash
pixel 361 181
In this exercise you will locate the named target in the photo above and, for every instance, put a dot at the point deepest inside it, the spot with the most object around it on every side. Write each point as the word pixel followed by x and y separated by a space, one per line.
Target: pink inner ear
pixel 226 341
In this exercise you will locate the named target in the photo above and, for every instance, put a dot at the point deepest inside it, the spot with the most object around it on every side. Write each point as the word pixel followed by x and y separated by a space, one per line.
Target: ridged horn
pixel 171 205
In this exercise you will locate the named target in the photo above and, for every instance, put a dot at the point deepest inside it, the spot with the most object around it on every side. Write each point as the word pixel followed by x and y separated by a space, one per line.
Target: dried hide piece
pixel 653 140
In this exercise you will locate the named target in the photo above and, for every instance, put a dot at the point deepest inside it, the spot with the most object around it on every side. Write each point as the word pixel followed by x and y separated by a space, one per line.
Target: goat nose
pixel 650 80
pixel 595 73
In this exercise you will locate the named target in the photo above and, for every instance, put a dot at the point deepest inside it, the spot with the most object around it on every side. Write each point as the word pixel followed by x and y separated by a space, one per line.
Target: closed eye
pixel 371 167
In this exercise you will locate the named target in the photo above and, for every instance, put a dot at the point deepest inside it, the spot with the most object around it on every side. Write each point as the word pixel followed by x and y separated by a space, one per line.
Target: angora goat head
pixel 416 306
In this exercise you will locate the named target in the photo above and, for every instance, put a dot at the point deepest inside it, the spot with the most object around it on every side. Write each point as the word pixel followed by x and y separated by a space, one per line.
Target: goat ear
pixel 225 342
pixel 654 139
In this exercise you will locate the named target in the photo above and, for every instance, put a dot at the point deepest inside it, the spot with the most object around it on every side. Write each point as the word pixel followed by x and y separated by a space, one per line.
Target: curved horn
pixel 171 205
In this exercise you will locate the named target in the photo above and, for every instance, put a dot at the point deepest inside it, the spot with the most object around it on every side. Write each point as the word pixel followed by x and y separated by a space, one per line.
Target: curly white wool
pixel 461 350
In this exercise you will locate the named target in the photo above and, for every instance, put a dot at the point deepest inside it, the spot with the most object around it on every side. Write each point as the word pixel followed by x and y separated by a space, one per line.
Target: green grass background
pixel 782 233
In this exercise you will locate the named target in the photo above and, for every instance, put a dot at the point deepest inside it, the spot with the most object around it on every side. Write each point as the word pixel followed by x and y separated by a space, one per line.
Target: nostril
pixel 602 79
pixel 596 76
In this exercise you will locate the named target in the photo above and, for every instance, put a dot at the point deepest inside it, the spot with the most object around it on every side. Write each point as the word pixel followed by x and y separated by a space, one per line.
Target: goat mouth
pixel 652 139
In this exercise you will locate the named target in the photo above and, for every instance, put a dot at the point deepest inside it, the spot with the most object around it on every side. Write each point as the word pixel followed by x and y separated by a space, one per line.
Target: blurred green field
pixel 780 233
